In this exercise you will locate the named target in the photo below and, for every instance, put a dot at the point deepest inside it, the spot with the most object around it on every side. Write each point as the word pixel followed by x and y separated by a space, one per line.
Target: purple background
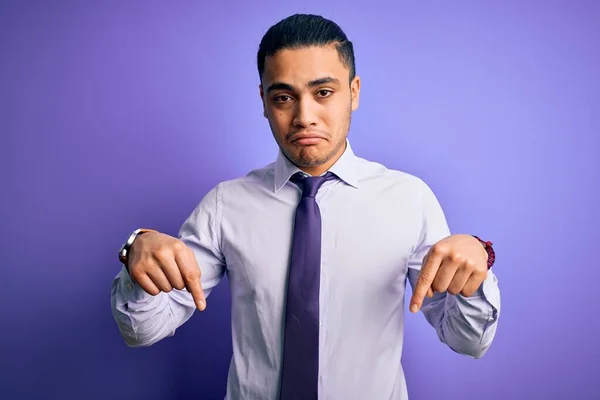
pixel 116 115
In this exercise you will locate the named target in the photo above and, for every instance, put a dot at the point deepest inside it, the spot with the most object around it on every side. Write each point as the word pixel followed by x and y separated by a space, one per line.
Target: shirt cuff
pixel 486 298
pixel 490 292
pixel 130 290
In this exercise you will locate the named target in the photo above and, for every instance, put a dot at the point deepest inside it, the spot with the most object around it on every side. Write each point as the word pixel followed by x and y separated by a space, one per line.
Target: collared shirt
pixel 377 225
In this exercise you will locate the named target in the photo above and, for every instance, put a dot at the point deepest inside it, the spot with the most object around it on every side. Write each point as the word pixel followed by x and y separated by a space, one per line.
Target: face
pixel 308 100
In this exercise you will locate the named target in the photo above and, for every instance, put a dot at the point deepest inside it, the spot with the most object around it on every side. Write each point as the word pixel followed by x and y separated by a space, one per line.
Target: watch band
pixel 489 250
pixel 127 245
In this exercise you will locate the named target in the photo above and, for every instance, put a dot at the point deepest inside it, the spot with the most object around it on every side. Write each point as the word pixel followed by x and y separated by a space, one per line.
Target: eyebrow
pixel 311 84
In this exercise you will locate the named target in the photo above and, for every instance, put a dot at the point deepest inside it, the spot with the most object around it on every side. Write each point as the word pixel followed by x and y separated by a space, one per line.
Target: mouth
pixel 306 139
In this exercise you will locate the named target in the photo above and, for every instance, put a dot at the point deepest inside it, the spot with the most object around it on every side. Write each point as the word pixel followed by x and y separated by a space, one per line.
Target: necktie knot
pixel 310 185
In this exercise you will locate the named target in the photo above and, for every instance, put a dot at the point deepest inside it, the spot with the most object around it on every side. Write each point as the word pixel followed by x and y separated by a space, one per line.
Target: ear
pixel 355 92
pixel 260 89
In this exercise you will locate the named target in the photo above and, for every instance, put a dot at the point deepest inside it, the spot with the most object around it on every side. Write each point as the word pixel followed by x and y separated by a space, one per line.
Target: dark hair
pixel 303 30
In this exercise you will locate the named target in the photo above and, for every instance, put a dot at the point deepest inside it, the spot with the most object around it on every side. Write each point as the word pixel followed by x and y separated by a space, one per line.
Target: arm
pixel 143 318
pixel 466 324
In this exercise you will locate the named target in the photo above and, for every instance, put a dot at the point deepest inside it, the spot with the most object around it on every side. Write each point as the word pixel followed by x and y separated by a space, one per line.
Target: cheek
pixel 336 116
pixel 283 117
pixel 278 121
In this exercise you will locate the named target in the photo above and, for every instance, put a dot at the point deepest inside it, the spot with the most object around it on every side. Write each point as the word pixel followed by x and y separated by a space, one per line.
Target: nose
pixel 305 113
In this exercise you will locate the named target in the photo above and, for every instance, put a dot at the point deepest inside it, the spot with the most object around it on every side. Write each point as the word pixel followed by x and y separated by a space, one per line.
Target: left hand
pixel 457 264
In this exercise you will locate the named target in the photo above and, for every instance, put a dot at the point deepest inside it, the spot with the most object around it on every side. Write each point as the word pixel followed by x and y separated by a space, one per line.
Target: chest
pixel 367 238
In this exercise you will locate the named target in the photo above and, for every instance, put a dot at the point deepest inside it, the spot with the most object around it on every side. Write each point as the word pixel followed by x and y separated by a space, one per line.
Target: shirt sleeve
pixel 466 324
pixel 144 319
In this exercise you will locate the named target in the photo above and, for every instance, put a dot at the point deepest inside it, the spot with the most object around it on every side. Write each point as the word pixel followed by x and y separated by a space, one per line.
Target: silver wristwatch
pixel 127 245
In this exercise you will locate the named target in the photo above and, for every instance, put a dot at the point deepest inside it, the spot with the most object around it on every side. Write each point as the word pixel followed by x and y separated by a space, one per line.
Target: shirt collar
pixel 346 168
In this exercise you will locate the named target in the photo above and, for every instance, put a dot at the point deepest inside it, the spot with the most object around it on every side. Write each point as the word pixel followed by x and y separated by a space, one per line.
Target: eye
pixel 324 93
pixel 282 98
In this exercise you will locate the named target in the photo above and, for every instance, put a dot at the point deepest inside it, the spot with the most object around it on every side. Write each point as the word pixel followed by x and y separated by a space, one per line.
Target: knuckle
pixel 423 279
pixel 437 287
pixel 470 265
pixel 152 291
pixel 192 276
pixel 178 246
pixel 439 249
pixel 179 286
pixel 163 252
pixel 453 290
pixel 436 250
pixel 457 257
pixel 479 277
pixel 137 272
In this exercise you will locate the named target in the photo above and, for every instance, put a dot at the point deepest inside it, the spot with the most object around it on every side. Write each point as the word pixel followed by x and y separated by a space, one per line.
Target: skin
pixel 456 264
pixel 308 92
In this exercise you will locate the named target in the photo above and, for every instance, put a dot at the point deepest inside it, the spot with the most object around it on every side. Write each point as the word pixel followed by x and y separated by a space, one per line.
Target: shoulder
pixel 412 191
pixel 378 173
pixel 258 178
pixel 234 191
pixel 239 190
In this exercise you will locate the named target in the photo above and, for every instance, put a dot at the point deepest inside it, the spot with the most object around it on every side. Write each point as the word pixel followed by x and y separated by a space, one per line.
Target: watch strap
pixel 489 250
pixel 123 253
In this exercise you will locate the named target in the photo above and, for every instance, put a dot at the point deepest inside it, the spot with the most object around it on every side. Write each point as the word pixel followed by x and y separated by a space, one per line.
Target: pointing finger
pixel 426 277
pixel 190 273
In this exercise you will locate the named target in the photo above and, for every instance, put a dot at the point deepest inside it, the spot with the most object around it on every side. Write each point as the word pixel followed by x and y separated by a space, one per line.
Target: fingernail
pixel 414 308
pixel 201 305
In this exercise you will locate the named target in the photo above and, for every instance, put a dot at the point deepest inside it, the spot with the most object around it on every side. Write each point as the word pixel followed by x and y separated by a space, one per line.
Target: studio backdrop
pixel 117 115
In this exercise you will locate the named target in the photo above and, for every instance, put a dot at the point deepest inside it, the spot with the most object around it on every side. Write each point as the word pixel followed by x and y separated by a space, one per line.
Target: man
pixel 318 247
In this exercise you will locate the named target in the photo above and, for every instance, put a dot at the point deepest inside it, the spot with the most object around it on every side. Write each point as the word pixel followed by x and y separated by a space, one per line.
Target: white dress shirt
pixel 377 225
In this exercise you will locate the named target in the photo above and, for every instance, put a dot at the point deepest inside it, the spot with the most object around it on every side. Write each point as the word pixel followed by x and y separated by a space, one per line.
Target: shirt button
pixel 129 286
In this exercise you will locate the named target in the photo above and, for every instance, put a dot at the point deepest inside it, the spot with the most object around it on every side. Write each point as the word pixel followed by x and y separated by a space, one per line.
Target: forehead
pixel 298 66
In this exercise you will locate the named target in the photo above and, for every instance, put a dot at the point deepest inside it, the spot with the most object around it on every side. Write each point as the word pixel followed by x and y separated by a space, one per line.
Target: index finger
pixel 190 272
pixel 426 276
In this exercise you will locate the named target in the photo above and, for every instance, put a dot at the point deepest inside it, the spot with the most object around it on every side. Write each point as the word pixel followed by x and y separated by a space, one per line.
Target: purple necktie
pixel 300 369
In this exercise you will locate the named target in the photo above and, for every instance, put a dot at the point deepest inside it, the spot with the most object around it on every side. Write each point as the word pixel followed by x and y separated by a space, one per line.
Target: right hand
pixel 161 263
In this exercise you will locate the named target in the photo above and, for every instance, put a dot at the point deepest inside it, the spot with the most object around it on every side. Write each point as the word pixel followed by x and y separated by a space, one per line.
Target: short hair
pixel 304 30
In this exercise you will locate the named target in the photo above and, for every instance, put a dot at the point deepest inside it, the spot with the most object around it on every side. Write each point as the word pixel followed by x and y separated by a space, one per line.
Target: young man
pixel 318 247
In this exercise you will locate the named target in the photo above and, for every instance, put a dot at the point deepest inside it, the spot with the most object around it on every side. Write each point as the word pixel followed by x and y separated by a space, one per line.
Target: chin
pixel 311 159
pixel 312 156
